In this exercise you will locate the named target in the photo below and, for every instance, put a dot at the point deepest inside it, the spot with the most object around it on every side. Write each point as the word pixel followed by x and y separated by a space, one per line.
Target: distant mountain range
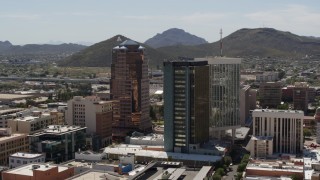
pixel 173 37
pixel 99 54
pixel 6 48
pixel 261 42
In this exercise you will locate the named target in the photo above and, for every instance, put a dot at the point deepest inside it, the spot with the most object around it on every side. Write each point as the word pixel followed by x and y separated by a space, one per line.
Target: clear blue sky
pixel 40 21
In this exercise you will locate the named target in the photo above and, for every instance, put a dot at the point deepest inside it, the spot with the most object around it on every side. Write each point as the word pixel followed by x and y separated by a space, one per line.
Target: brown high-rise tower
pixel 129 89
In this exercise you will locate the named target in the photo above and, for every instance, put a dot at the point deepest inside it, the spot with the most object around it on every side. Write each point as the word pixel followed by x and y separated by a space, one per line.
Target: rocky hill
pixel 100 54
pixel 174 36
pixel 263 42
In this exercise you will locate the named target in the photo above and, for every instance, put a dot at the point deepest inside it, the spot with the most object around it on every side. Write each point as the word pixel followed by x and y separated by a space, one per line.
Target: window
pixel 18 161
pixel 24 162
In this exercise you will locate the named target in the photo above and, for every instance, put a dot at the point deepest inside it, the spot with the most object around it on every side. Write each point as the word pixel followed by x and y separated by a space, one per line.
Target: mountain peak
pixel 174 36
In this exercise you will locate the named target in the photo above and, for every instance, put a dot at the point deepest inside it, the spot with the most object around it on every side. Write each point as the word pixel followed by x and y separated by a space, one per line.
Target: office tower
pixel 94 114
pixel 248 98
pixel 270 94
pixel 224 87
pixel 300 96
pixel 129 88
pixel 285 126
pixel 186 104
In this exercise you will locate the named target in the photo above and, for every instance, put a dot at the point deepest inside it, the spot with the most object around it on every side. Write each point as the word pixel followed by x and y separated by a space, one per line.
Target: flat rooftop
pixel 59 130
pixel 278 111
pixel 12 136
pixel 275 165
pixel 97 175
pixel 27 170
pixel 220 60
pixel 138 151
pixel 32 118
pixel 10 111
pixel 26 155
pixel 13 96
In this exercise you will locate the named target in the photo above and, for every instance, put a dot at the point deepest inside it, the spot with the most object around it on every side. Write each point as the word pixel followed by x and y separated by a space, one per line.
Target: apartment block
pixel 11 143
pixel 6 114
pixel 35 122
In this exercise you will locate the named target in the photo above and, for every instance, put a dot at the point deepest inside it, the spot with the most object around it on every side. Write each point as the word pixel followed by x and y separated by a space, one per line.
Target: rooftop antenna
pixel 221 42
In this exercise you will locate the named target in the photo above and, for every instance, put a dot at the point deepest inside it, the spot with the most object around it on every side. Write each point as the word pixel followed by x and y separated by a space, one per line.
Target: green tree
pixel 306 132
pixel 241 167
pixel 220 171
pixel 238 176
pixel 227 160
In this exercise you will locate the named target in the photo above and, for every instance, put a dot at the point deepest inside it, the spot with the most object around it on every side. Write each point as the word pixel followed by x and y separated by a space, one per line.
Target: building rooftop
pixel 97 175
pixel 9 111
pixel 16 135
pixel 220 60
pixel 241 133
pixel 278 111
pixel 25 155
pixel 59 130
pixel 275 165
pixel 203 172
pixel 32 118
pixel 269 138
pixel 129 42
pixel 138 151
pixel 13 96
pixel 27 170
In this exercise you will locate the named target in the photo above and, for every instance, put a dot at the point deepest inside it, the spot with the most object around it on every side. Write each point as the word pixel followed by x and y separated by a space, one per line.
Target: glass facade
pixel 58 147
pixel 186 96
pixel 224 92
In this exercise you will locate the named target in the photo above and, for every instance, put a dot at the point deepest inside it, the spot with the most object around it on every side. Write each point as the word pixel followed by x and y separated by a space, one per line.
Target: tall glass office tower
pixel 224 87
pixel 186 104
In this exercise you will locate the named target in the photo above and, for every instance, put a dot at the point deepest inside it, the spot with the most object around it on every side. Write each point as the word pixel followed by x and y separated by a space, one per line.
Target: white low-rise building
pixel 89 156
pixel 21 158
pixel 285 126
pixel 150 140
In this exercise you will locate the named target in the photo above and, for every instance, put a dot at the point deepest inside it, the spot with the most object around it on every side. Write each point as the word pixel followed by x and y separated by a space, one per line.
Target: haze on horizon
pixel 43 21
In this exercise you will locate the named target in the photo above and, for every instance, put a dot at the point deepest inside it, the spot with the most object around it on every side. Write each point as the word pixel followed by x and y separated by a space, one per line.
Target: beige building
pixel 35 122
pixel 285 126
pixel 260 146
pixel 248 98
pixel 6 114
pixel 92 113
pixel 11 143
